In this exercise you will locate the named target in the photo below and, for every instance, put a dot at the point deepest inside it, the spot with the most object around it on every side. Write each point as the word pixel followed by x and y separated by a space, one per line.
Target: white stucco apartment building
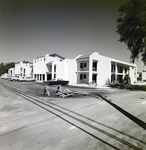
pixel 54 66
pixel 97 69
pixel 11 72
pixel 93 69
pixel 24 69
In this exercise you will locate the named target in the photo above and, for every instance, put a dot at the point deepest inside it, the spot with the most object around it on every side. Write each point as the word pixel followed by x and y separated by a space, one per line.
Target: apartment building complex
pixel 93 69
pixel 24 69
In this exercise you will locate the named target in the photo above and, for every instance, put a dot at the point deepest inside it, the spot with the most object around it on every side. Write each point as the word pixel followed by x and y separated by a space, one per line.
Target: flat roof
pixel 84 56
pixel 112 59
pixel 53 55
pixel 39 57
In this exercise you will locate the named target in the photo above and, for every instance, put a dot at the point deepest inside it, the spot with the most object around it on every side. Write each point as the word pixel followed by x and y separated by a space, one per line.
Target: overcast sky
pixel 32 28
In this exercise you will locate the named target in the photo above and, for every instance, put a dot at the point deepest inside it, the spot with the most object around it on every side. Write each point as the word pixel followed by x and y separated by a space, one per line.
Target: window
pixel 81 77
pixel 81 65
pixel 44 59
pixel 43 77
pixel 54 76
pixel 125 70
pixel 54 68
pixel 84 76
pixel 94 66
pixel 113 68
pixel 85 64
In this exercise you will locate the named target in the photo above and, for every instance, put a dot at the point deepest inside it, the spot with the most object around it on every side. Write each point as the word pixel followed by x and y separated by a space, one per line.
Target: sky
pixel 33 28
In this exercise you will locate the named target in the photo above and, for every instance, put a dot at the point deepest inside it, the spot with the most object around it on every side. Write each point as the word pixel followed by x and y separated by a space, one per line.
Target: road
pixel 74 123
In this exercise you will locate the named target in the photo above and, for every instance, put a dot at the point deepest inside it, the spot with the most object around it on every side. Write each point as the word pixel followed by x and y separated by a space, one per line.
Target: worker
pixel 46 90
pixel 58 88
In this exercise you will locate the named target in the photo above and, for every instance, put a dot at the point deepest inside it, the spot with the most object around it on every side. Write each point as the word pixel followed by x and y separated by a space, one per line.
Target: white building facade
pixel 91 69
pixel 97 70
pixel 144 73
pixel 53 66
pixel 24 69
pixel 11 72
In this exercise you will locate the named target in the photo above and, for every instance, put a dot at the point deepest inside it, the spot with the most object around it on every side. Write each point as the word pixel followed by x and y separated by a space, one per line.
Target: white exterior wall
pixel 71 71
pixel 27 70
pixel 98 68
pixel 93 57
pixel 60 69
pixel 66 69
pixel 82 71
pixel 133 74
pixel 102 73
pixel 17 69
pixel 132 70
pixel 11 72
pixel 104 70
pixel 23 69
pixel 39 65
pixel 143 75
pixel 45 66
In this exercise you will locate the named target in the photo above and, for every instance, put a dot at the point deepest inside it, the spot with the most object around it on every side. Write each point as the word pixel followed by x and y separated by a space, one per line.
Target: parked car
pixel 58 81
pixel 5 76
pixel 21 79
pixel 28 79
pixel 13 78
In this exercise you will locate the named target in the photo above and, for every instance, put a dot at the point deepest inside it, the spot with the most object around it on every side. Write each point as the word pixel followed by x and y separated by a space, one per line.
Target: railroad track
pixel 81 122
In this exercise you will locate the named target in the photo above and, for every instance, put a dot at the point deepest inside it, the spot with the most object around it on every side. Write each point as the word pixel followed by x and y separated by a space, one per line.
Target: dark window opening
pixel 43 77
pixel 54 76
pixel 81 77
pixel 81 65
pixel 54 68
pixel 94 66
pixel 49 77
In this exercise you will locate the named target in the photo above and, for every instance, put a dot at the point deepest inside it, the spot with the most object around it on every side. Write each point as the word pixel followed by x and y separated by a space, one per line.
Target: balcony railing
pixel 94 69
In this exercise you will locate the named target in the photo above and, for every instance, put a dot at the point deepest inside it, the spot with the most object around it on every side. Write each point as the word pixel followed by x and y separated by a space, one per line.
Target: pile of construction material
pixel 63 92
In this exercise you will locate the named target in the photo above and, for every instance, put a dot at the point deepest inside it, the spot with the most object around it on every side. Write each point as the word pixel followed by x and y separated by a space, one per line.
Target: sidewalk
pixel 89 86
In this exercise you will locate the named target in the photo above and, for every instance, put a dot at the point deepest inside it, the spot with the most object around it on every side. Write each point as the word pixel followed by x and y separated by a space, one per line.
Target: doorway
pixel 94 79
pixel 49 77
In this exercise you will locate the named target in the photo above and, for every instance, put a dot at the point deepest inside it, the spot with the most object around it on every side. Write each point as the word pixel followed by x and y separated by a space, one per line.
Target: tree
pixel 4 67
pixel 132 28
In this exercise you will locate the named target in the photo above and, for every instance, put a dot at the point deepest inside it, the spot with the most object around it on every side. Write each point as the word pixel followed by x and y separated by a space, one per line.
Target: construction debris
pixel 63 92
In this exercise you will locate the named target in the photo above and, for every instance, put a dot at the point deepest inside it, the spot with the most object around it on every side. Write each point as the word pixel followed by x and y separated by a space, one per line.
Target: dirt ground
pixel 24 125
